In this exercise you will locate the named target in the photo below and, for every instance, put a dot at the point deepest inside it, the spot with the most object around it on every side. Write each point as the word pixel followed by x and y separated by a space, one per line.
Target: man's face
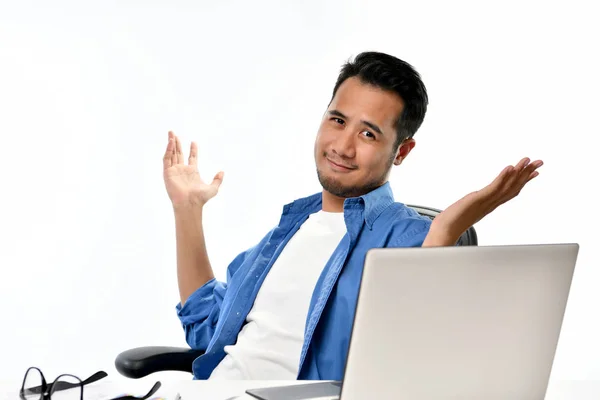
pixel 354 149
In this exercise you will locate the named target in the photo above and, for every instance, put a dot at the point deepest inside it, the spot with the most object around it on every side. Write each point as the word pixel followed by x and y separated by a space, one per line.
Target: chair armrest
pixel 141 361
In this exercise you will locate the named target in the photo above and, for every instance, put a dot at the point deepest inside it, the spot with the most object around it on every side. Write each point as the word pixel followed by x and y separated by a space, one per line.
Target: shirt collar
pixel 372 204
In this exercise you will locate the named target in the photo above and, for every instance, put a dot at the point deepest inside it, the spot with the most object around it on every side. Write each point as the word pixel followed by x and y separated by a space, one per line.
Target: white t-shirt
pixel 268 346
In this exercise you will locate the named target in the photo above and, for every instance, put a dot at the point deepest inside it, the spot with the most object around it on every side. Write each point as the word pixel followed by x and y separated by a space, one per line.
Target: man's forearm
pixel 193 265
pixel 440 235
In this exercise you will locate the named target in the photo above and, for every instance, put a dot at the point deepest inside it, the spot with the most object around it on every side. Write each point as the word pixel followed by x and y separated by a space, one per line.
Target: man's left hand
pixel 456 219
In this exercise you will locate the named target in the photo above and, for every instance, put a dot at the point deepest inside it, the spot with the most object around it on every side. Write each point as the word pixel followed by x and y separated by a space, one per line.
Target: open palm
pixel 456 219
pixel 183 183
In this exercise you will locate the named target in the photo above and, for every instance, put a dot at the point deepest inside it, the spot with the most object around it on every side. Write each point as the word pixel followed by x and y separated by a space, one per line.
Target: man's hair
pixel 392 74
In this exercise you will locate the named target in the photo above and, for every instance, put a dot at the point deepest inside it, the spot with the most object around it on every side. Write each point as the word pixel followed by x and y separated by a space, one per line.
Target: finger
pixel 526 173
pixel 532 175
pixel 193 158
pixel 217 180
pixel 537 163
pixel 167 157
pixel 179 151
pixel 174 149
pixel 522 164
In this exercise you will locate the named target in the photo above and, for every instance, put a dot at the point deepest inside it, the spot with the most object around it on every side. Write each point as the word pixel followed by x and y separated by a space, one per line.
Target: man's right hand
pixel 184 185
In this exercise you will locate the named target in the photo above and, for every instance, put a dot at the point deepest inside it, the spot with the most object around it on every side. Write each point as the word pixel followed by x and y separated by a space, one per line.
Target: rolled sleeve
pixel 413 234
pixel 200 313
pixel 200 299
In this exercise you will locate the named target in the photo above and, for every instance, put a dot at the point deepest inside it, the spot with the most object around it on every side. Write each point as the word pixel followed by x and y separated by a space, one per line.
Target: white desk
pixel 214 390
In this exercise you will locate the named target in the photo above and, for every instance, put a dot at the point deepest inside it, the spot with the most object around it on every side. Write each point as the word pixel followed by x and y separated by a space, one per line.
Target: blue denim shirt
pixel 214 314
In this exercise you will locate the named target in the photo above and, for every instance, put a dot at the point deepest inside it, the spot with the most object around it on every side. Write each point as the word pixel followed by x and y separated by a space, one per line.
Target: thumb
pixel 217 180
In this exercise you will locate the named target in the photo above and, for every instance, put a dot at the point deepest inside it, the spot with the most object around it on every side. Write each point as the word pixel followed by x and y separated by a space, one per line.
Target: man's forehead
pixel 357 99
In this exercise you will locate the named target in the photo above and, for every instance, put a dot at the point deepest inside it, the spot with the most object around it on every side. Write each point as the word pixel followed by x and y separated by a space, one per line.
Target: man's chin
pixel 338 189
pixel 344 190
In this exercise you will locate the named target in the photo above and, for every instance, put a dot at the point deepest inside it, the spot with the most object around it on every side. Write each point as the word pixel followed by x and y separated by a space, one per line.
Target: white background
pixel 89 91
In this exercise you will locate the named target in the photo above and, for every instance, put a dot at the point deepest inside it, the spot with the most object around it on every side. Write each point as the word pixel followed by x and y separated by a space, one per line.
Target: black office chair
pixel 142 361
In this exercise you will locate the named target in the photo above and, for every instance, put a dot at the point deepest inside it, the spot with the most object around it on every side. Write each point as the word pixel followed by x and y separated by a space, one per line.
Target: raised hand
pixel 456 219
pixel 184 185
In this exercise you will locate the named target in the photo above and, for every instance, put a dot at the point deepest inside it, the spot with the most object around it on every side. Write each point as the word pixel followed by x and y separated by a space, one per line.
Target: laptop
pixel 462 322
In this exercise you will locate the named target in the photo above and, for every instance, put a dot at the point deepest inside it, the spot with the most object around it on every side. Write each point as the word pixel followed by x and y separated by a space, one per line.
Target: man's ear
pixel 403 150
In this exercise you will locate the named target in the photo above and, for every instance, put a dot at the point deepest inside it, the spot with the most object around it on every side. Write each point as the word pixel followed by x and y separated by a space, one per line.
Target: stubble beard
pixel 336 188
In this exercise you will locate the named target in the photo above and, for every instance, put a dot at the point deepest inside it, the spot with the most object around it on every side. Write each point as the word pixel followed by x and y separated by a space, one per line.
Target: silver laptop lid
pixel 458 322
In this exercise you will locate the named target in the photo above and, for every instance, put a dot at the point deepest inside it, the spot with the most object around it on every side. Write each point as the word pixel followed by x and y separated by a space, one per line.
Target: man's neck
pixel 331 203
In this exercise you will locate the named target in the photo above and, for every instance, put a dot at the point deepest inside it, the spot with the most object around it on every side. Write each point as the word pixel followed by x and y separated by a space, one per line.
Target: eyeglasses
pixel 35 387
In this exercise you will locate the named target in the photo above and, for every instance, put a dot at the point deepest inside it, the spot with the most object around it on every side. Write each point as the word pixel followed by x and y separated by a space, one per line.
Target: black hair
pixel 390 73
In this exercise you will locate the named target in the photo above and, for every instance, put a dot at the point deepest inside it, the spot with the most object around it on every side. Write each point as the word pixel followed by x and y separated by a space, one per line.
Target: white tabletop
pixel 230 390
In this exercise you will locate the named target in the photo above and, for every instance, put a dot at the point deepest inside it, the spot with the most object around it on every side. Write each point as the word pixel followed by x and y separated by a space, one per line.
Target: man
pixel 287 307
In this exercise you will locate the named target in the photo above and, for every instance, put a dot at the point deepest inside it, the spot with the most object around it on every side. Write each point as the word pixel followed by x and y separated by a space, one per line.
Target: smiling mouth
pixel 339 166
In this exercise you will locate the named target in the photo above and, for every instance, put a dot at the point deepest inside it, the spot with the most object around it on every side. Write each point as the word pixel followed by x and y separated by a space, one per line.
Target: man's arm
pixel 193 265
pixel 188 194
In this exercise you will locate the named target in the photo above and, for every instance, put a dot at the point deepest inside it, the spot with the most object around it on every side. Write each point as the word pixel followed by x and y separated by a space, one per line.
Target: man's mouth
pixel 340 166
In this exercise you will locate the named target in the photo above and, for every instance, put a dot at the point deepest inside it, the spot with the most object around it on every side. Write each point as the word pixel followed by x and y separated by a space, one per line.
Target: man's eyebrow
pixel 336 113
pixel 371 125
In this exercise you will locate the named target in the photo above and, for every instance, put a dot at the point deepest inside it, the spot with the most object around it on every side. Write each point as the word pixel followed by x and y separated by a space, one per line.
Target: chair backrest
pixel 469 238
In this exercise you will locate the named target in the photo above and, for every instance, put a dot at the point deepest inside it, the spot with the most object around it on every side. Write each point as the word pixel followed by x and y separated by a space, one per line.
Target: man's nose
pixel 344 145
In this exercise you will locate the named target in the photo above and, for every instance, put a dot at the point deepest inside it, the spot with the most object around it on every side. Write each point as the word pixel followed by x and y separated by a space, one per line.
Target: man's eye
pixel 338 120
pixel 368 134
